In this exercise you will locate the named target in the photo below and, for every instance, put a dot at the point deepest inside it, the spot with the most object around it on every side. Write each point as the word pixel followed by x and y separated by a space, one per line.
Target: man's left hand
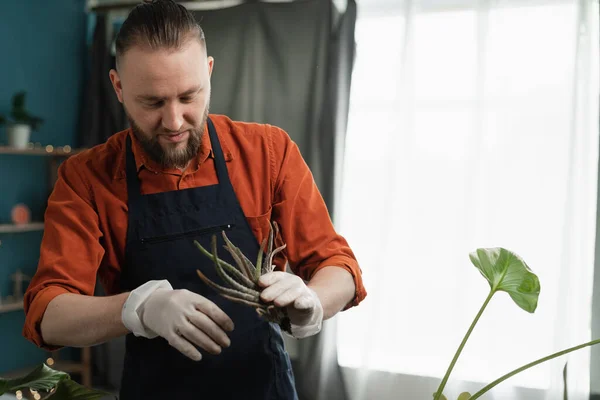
pixel 302 303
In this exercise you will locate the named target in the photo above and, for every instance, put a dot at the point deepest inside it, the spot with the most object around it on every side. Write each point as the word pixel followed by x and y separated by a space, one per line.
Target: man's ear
pixel 211 64
pixel 116 82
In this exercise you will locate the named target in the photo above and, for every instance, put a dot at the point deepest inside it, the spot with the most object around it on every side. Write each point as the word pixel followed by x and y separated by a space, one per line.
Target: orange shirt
pixel 86 216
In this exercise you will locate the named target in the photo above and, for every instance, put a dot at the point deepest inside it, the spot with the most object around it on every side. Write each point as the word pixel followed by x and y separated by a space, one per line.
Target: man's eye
pixel 187 99
pixel 154 105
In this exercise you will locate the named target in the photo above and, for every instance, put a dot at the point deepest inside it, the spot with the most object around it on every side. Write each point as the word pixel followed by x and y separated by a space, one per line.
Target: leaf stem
pixel 440 390
pixel 565 387
pixel 532 364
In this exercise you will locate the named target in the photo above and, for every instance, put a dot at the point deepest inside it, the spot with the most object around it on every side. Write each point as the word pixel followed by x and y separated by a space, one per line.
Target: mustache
pixel 166 132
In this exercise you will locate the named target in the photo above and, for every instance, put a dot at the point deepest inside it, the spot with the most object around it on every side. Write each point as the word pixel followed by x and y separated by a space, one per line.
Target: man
pixel 129 210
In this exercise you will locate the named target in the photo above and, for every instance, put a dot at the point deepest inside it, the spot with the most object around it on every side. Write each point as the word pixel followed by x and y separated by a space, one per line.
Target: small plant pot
pixel 18 135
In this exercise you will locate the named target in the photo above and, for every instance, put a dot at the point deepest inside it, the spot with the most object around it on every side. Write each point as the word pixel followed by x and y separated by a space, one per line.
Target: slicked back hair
pixel 157 24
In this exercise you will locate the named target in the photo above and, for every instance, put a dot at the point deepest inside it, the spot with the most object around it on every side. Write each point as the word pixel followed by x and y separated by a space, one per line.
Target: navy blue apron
pixel 161 232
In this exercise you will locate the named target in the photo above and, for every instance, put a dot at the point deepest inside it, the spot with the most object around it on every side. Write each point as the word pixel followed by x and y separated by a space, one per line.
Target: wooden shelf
pixel 12 306
pixel 14 228
pixel 41 151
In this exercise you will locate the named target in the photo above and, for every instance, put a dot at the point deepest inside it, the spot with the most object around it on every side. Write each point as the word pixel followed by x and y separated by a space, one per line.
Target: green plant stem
pixel 532 364
pixel 440 390
pixel 565 387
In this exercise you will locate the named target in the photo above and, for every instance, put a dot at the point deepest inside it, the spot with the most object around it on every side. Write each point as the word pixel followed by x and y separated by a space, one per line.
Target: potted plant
pixel 20 122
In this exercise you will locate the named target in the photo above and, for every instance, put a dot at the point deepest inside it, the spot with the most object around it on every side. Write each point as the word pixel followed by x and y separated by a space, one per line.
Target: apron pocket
pixel 181 235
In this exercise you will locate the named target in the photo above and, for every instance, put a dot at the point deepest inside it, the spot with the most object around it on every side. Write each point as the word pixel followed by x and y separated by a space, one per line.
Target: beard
pixel 170 156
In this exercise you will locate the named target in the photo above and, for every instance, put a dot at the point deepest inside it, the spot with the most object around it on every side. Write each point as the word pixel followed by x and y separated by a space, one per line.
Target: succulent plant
pixel 242 279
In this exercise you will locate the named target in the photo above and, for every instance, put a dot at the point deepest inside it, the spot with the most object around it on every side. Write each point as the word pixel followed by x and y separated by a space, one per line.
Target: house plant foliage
pixel 20 122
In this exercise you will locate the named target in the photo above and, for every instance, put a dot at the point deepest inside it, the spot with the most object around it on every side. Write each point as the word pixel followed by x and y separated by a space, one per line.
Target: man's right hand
pixel 184 318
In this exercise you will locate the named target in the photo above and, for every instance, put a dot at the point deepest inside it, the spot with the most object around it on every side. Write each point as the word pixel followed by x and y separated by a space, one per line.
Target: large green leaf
pixel 71 390
pixel 506 271
pixel 41 378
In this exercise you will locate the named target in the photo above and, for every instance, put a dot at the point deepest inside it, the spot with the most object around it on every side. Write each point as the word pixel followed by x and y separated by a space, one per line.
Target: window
pixel 470 127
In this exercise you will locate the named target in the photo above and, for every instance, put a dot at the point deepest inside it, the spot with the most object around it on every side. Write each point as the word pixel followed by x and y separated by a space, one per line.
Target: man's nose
pixel 172 119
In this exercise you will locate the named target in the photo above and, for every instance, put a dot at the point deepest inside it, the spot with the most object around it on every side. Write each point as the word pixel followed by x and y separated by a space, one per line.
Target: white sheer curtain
pixel 472 124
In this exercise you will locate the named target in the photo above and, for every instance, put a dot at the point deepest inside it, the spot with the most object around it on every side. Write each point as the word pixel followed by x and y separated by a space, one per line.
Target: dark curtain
pixel 278 63
pixel 102 114
pixel 286 64
pixel 318 372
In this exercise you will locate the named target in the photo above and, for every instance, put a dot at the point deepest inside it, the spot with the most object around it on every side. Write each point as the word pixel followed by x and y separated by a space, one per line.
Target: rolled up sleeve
pixel 70 252
pixel 311 240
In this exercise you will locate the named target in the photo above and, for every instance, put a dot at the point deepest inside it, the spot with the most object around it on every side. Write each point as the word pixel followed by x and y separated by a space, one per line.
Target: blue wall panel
pixel 42 51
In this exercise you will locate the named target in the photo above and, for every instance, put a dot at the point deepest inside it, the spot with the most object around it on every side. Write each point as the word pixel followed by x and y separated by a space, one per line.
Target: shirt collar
pixel 142 160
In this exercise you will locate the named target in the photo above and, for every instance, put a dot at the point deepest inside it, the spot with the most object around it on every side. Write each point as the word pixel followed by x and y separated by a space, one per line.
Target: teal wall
pixel 42 51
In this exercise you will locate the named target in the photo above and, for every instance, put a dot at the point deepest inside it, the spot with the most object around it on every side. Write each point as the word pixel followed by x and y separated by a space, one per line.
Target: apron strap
pixel 225 186
pixel 221 167
pixel 133 183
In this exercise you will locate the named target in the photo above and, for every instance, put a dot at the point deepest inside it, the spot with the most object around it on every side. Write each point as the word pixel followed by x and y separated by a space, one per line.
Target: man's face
pixel 166 96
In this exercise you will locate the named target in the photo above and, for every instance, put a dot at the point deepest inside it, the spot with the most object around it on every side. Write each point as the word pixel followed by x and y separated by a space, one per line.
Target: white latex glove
pixel 184 318
pixel 302 303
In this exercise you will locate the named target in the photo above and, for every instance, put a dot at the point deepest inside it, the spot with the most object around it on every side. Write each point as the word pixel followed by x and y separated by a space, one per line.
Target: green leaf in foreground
pixel 41 378
pixel 71 390
pixel 506 271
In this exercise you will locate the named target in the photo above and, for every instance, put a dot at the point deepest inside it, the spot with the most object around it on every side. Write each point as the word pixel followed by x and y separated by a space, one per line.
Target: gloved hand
pixel 184 318
pixel 302 303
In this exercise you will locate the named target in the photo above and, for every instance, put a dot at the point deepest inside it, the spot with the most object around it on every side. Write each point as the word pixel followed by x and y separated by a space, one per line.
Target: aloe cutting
pixel 504 271
pixel 240 281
